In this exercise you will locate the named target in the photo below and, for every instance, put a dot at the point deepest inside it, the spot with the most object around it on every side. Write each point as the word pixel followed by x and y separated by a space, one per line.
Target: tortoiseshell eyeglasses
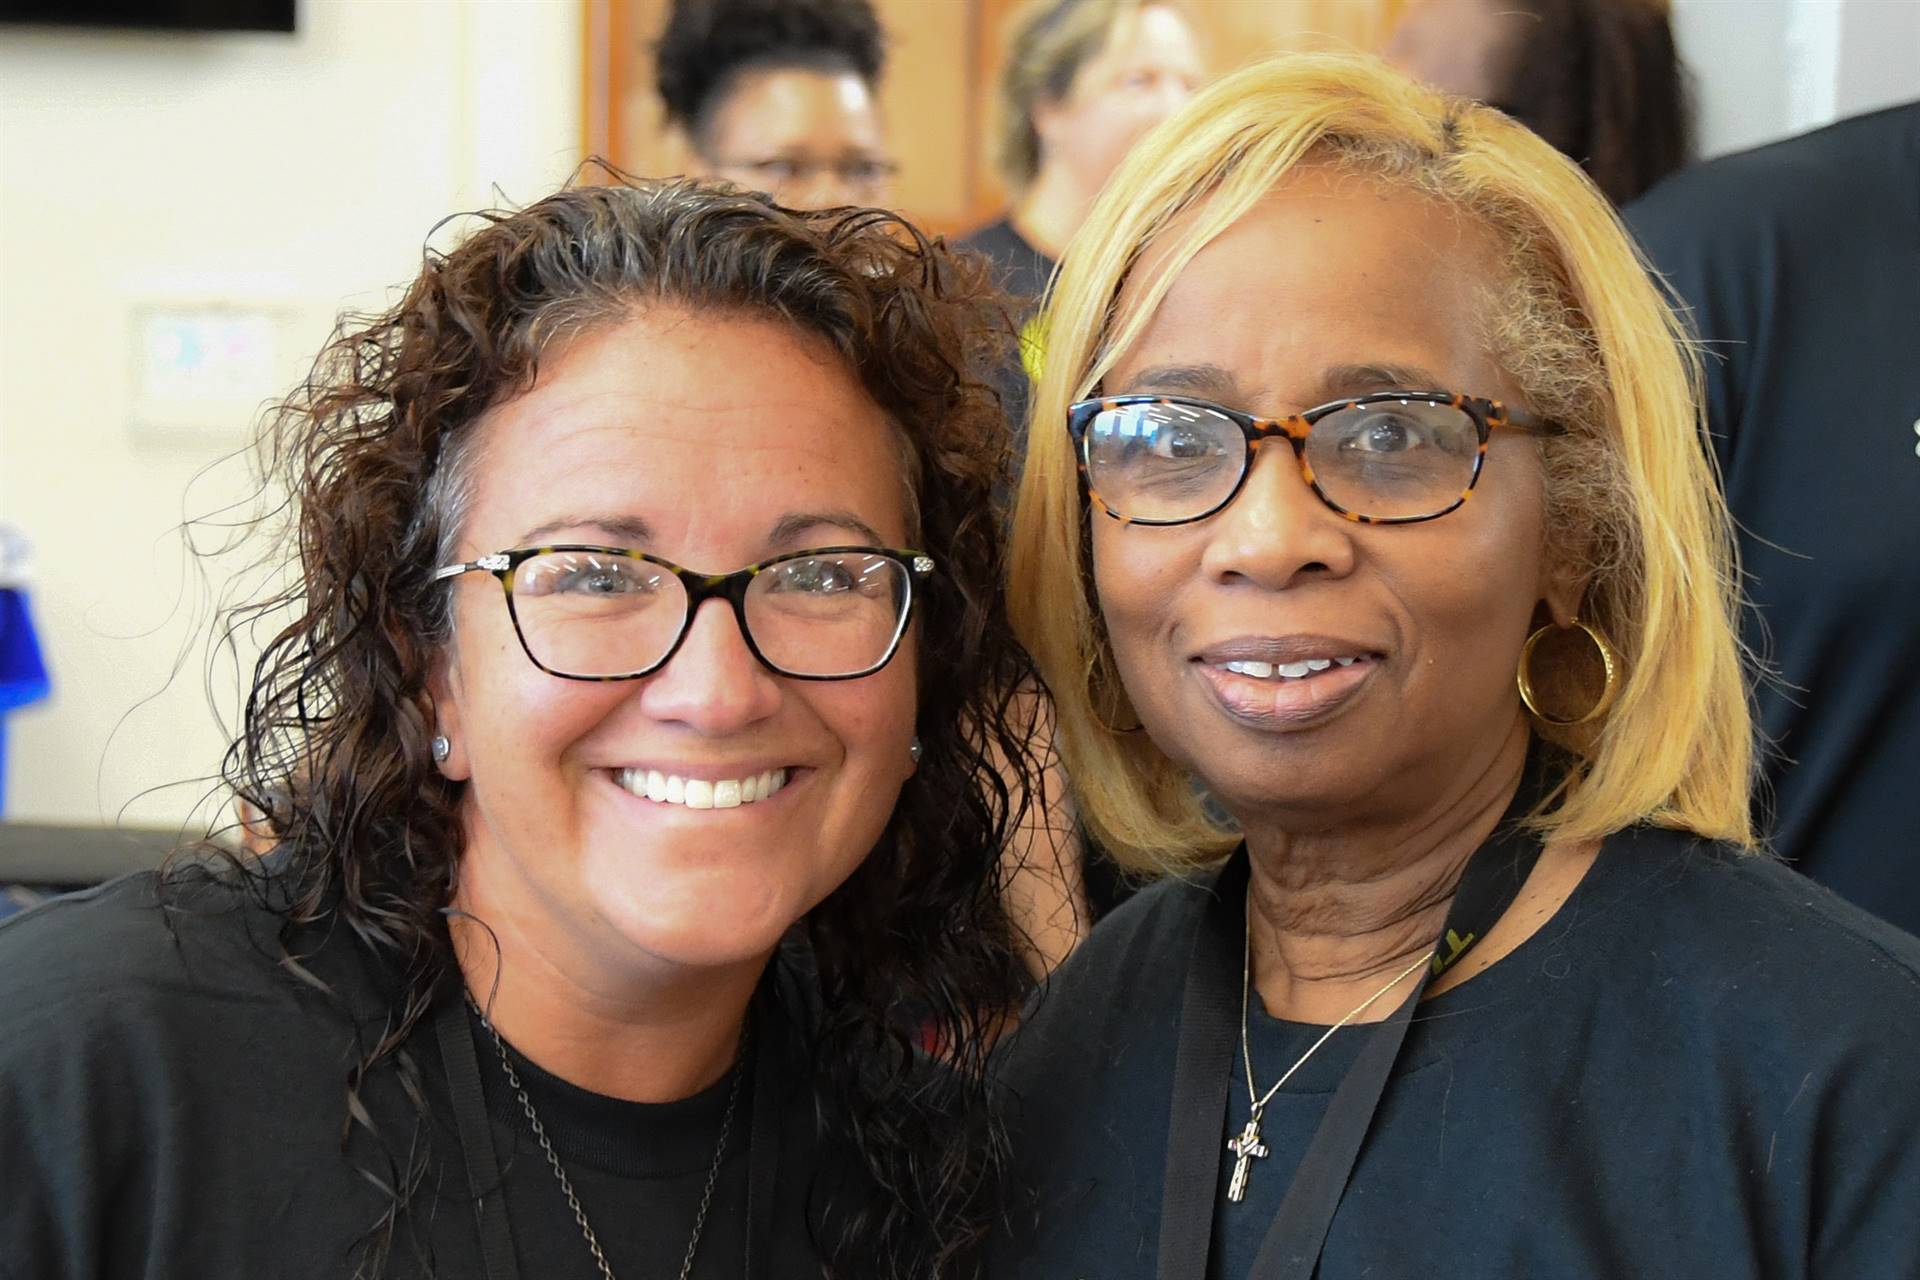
pixel 612 613
pixel 1396 457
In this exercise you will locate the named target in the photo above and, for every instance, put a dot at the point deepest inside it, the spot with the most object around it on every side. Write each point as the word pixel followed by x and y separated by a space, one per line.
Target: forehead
pixel 705 429
pixel 1151 36
pixel 1326 270
pixel 796 109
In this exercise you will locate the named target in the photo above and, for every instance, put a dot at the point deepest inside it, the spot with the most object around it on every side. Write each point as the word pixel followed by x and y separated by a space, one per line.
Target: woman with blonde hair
pixel 1365 495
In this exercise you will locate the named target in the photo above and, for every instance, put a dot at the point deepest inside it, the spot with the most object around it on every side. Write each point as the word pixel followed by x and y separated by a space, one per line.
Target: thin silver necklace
pixel 1247 1147
pixel 566 1183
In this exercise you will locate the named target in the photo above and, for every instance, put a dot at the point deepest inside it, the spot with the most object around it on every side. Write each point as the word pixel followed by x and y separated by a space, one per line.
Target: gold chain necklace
pixel 566 1183
pixel 1247 1146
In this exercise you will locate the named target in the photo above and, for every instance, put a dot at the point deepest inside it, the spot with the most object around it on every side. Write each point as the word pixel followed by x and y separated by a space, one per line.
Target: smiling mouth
pixel 1302 670
pixel 700 793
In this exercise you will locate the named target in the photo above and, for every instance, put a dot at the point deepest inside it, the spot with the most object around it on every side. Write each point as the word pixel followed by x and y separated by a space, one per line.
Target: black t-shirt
pixel 1800 263
pixel 1702 1066
pixel 172 1104
pixel 1023 270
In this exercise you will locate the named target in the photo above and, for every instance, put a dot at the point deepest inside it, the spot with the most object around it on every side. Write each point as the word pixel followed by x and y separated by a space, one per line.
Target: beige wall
pixel 284 175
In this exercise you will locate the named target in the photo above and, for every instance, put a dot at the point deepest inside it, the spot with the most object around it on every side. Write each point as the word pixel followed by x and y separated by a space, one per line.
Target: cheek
pixel 872 718
pixel 1136 579
pixel 519 721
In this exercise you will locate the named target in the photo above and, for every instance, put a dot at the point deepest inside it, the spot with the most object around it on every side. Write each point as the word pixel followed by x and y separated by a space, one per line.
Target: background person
pixel 780 96
pixel 1798 267
pixel 1082 80
pixel 1455 648
pixel 1599 79
pixel 597 879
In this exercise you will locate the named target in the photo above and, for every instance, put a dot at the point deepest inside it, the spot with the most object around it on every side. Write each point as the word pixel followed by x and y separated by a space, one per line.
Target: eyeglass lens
pixel 584 613
pixel 1173 462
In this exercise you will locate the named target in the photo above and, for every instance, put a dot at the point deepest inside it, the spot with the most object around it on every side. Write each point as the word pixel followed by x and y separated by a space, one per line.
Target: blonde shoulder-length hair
pixel 1576 322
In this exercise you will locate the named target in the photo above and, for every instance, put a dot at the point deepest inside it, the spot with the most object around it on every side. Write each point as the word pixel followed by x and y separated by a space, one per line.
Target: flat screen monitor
pixel 158 15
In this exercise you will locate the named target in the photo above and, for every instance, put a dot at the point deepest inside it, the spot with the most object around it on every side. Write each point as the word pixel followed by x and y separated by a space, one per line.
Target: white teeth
pixel 1286 670
pixel 701 793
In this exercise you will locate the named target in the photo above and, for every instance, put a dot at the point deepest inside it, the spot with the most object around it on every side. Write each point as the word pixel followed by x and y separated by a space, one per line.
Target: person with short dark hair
pixel 634 745
pixel 1599 79
pixel 780 96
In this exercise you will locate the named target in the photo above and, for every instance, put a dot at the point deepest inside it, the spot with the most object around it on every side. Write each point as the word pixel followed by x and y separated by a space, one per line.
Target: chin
pixel 709 918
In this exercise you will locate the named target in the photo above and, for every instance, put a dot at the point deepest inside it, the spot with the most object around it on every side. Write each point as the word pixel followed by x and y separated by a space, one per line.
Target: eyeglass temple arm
pixel 494 563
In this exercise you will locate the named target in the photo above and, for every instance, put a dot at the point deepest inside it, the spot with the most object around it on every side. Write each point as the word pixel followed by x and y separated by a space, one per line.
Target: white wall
pixel 288 175
pixel 1767 69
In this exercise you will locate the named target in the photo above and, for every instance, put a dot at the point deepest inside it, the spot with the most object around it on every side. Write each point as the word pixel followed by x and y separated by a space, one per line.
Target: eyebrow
pixel 632 529
pixel 1361 379
pixel 1213 382
pixel 788 528
pixel 1208 381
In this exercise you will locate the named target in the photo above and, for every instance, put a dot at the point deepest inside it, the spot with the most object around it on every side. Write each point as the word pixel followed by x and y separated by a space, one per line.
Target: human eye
pixel 864 170
pixel 586 575
pixel 780 168
pixel 1403 433
pixel 1184 442
pixel 813 576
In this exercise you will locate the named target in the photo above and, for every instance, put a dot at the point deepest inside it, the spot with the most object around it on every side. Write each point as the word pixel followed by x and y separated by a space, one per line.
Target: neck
pixel 1050 210
pixel 650 1035
pixel 1333 914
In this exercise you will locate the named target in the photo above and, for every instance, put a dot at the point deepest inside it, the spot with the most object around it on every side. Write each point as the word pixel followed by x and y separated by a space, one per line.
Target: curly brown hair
pixel 335 744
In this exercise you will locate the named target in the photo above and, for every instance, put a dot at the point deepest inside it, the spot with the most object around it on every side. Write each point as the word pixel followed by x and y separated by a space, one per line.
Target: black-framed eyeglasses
pixel 859 171
pixel 612 613
pixel 1395 457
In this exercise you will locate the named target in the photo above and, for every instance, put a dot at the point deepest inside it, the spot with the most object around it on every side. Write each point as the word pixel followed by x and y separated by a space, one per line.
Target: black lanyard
pixel 1210 1030
pixel 484 1183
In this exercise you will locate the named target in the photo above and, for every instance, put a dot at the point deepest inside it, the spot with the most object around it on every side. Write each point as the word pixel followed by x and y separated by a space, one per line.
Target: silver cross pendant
pixel 1246 1148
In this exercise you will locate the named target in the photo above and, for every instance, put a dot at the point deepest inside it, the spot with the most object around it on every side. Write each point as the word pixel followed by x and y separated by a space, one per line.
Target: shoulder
pixel 1125 980
pixel 1804 182
pixel 1752 937
pixel 176 967
pixel 994 239
pixel 97 947
pixel 1022 269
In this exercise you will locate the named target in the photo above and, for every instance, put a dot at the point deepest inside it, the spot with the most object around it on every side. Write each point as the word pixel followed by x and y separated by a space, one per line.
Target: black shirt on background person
pixel 1800 262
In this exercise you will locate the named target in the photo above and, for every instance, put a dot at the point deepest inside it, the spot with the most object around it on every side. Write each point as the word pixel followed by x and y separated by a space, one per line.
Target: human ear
pixel 444 717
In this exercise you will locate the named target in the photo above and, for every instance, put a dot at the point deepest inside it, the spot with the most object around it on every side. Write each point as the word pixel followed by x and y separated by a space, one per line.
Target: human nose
pixel 713 682
pixel 1277 530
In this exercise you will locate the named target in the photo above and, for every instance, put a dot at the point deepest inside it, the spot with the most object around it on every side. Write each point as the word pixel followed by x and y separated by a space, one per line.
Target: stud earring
pixel 442 747
pixel 914 749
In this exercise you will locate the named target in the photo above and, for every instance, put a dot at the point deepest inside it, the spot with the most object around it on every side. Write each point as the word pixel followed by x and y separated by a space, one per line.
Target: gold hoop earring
pixel 1609 659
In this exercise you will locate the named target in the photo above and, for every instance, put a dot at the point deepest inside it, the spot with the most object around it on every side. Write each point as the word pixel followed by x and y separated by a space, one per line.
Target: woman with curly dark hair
pixel 779 96
pixel 636 749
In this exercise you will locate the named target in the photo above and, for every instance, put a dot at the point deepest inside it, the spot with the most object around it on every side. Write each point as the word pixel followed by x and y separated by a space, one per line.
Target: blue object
pixel 23 672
